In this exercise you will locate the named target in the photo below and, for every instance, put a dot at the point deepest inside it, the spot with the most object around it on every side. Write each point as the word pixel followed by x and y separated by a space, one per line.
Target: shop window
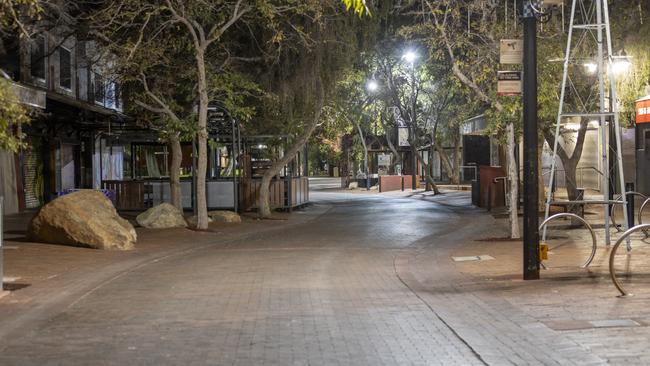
pixel 65 69
pixel 37 58
pixel 112 99
pixel 99 88
pixel 151 161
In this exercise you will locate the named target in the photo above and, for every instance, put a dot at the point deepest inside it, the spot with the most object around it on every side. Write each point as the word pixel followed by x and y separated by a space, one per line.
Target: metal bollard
pixel 629 187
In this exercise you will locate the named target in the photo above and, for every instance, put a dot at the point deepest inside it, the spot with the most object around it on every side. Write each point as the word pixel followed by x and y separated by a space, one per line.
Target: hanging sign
pixel 509 83
pixel 511 51
pixel 643 110
pixel 403 136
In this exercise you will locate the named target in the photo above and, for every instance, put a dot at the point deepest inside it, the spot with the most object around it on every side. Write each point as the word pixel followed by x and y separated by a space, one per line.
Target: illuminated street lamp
pixel 590 67
pixel 621 63
pixel 410 56
pixel 372 86
pixel 621 66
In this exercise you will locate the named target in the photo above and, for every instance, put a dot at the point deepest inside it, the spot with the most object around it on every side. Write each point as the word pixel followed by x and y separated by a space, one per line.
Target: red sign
pixel 643 111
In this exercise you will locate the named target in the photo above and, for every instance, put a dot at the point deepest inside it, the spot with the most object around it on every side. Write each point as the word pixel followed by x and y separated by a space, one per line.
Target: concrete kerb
pixel 466 305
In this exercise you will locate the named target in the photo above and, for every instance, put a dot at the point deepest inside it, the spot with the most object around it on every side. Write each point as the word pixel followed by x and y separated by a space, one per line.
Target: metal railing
pixel 580 172
pixel 585 224
pixel 612 256
pixel 643 205
pixel 472 167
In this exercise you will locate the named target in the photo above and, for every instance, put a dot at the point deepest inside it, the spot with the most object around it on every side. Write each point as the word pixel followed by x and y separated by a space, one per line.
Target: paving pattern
pixel 361 279
pixel 323 293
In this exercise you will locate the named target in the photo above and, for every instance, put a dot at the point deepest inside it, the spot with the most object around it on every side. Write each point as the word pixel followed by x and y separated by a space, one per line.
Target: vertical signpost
pixel 531 190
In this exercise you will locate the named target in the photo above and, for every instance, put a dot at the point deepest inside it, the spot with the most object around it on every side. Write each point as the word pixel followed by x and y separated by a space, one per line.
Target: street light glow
pixel 410 56
pixel 372 86
pixel 621 66
pixel 590 67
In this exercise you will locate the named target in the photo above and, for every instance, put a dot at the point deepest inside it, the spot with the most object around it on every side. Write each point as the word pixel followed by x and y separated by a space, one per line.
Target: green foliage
pixel 12 11
pixel 12 114
pixel 358 6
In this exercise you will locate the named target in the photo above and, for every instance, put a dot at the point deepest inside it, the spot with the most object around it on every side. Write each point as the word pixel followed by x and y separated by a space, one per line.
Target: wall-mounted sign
pixel 509 83
pixel 403 136
pixel 383 159
pixel 511 51
pixel 219 122
pixel 643 110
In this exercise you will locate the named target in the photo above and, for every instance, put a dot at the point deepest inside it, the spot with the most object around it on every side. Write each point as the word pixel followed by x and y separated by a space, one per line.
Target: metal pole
pixel 414 121
pixel 194 167
pixel 602 122
pixel 235 157
pixel 531 190
pixel 617 127
pixel 567 55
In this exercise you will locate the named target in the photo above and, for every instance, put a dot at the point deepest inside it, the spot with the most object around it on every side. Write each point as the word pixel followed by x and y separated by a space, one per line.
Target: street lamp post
pixel 372 87
pixel 531 190
pixel 410 57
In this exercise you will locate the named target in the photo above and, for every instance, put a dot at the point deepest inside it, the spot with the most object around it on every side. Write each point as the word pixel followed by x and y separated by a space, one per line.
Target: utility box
pixel 643 145
pixel 489 189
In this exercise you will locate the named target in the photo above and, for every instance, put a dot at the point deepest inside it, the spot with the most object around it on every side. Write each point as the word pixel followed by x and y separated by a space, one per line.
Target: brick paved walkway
pixel 369 281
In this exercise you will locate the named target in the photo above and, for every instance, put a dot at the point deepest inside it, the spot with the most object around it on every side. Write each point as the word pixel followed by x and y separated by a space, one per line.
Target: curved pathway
pixel 362 284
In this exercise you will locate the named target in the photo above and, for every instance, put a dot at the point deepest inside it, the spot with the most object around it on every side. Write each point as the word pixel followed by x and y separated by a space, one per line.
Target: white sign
pixel 383 159
pixel 403 136
pixel 509 83
pixel 511 51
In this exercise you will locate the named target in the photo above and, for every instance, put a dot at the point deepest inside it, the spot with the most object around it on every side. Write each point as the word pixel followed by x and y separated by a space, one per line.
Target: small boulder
pixel 85 218
pixel 193 220
pixel 163 216
pixel 224 216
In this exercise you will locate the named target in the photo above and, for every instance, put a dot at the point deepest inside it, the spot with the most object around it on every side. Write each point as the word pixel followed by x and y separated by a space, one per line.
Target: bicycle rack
pixel 585 224
pixel 645 203
pixel 618 198
pixel 612 271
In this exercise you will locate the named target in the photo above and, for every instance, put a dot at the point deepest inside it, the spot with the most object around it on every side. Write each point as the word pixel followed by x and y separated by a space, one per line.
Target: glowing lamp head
pixel 372 86
pixel 621 66
pixel 590 67
pixel 410 56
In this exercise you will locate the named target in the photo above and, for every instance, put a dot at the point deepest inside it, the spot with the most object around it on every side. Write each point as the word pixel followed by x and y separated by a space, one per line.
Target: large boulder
pixel 192 221
pixel 85 218
pixel 225 216
pixel 163 216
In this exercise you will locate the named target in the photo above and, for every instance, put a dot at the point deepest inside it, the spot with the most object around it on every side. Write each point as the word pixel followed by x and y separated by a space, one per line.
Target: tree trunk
pixel 202 137
pixel 427 176
pixel 447 164
pixel 365 151
pixel 264 209
pixel 175 170
pixel 391 146
pixel 514 183
pixel 458 158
